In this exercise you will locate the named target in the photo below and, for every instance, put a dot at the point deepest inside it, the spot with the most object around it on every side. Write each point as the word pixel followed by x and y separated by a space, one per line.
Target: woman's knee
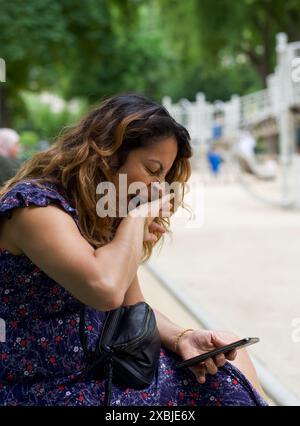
pixel 243 362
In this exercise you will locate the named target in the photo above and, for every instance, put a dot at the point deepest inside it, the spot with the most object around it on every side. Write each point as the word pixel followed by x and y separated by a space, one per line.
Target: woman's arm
pixel 98 278
pixel 167 329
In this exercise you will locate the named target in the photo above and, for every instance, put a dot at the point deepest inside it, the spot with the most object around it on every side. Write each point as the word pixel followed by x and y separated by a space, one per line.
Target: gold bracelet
pixel 180 335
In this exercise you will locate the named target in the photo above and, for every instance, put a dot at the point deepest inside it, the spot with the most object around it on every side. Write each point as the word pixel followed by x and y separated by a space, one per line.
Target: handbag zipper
pixel 132 342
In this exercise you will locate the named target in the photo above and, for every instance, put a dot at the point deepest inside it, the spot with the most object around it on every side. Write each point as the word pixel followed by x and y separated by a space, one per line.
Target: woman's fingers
pixel 207 366
pixel 166 211
pixel 156 227
pixel 164 203
pixel 231 355
pixel 148 237
pixel 211 366
pixel 220 360
pixel 154 208
pixel 201 375
pixel 160 207
pixel 199 371
pixel 166 208
pixel 149 233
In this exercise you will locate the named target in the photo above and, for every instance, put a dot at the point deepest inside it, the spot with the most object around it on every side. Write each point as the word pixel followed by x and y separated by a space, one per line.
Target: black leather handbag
pixel 128 348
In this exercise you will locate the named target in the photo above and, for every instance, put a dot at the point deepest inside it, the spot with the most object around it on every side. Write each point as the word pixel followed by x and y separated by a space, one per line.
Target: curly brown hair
pixel 85 155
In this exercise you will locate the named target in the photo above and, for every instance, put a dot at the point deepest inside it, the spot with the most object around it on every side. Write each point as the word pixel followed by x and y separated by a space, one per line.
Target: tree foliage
pixel 97 48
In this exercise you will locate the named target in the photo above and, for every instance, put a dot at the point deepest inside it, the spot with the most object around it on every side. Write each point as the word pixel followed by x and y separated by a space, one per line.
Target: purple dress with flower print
pixel 41 356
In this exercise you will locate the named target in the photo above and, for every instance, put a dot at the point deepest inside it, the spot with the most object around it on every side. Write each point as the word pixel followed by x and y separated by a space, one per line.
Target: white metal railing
pixel 281 93
pixel 255 107
pixel 294 57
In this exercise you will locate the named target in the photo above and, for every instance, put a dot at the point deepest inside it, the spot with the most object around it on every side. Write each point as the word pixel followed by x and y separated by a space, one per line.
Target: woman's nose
pixel 156 189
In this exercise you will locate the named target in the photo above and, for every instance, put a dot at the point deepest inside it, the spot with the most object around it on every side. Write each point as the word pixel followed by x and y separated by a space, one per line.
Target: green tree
pixel 30 39
pixel 247 27
pixel 211 32
pixel 90 49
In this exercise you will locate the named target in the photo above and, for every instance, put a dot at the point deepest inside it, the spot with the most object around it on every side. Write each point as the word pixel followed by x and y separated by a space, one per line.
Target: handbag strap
pixel 108 381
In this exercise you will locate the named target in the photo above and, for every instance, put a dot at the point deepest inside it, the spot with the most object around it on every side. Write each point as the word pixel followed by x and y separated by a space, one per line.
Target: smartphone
pixel 247 341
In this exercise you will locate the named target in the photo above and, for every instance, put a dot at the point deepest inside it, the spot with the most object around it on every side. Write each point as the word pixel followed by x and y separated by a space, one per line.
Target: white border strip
pixel 277 392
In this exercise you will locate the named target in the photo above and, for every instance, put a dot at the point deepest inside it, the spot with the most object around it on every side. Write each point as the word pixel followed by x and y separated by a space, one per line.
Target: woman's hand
pixel 151 229
pixel 200 341
pixel 160 207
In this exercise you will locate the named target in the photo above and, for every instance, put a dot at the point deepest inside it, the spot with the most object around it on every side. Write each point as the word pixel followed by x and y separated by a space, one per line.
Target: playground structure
pixel 272 114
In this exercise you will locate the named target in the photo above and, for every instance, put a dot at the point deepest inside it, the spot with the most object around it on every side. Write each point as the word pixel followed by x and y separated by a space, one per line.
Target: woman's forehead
pixel 165 150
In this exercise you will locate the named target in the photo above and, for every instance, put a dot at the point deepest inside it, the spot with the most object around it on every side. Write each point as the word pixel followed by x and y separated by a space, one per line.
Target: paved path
pixel 242 266
pixel 158 297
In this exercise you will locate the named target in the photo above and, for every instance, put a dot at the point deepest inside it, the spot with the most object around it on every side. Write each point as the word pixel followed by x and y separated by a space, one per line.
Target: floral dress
pixel 40 350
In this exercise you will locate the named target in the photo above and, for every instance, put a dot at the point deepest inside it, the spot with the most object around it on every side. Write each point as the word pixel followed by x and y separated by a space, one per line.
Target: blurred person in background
pixel 246 144
pixel 9 150
pixel 217 127
pixel 214 159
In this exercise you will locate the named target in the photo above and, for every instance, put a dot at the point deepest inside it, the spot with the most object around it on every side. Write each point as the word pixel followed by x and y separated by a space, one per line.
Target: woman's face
pixel 148 165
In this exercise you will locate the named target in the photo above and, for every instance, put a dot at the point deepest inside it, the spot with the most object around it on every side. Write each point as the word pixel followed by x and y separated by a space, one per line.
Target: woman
pixel 58 253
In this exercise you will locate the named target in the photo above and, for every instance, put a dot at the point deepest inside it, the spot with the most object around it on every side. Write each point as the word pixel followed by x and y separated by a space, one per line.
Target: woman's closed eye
pixel 153 173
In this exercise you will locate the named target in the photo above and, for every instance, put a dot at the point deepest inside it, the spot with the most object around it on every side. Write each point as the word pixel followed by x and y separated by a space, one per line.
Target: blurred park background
pixel 223 68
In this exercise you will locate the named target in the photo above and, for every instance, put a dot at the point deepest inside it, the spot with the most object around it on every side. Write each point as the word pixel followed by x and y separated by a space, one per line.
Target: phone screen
pixel 223 349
